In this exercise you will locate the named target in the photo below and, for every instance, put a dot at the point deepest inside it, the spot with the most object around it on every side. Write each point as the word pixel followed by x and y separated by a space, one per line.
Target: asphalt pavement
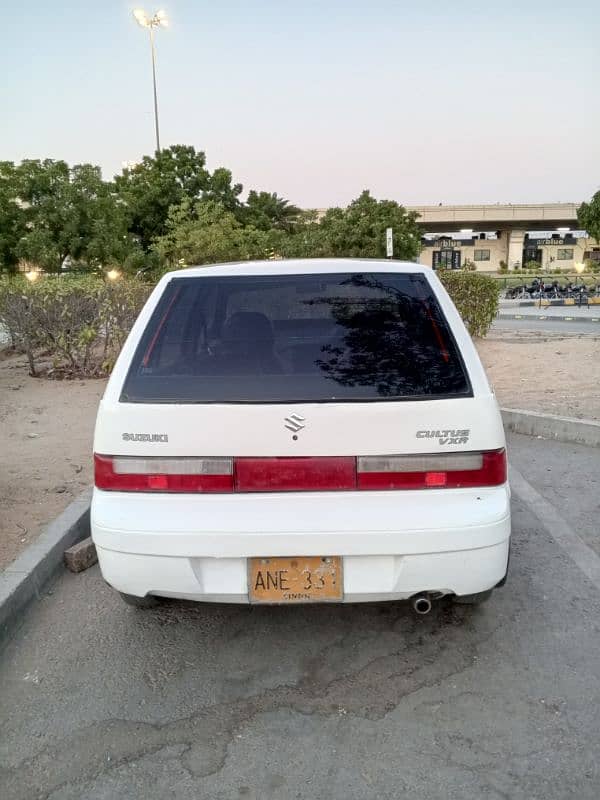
pixel 100 701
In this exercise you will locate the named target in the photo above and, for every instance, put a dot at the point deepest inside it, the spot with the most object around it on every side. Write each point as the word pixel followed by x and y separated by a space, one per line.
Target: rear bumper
pixel 393 544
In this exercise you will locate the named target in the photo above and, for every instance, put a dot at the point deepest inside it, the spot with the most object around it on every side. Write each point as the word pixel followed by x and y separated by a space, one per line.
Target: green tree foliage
pixel 167 179
pixel 266 211
pixel 50 212
pixel 588 216
pixel 359 230
pixel 170 208
pixel 204 232
pixel 223 191
pixel 13 220
pixel 150 188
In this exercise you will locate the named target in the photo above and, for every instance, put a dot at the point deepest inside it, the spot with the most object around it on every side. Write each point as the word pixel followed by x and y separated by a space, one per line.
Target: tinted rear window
pixel 296 338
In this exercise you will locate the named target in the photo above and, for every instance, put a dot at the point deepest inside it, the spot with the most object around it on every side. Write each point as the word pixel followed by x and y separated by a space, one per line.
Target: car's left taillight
pixel 133 474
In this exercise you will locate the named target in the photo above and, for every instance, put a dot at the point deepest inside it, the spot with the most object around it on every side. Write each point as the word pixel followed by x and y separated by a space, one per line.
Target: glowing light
pixel 113 274
pixel 159 19
pixel 141 17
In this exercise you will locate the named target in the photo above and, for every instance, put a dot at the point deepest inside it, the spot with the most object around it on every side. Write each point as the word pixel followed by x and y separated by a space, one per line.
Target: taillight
pixel 132 474
pixel 321 474
pixel 443 471
pixel 302 474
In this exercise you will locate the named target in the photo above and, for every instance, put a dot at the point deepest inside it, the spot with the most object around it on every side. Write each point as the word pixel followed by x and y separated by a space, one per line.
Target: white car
pixel 300 431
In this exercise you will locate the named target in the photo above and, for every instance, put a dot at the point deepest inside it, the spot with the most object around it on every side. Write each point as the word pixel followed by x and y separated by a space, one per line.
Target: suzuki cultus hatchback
pixel 298 432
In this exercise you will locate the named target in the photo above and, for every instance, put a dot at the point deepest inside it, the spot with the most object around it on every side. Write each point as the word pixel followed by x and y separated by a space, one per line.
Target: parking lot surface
pixel 100 701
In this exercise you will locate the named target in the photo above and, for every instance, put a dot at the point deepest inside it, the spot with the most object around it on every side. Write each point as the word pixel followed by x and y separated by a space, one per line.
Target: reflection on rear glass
pixel 336 337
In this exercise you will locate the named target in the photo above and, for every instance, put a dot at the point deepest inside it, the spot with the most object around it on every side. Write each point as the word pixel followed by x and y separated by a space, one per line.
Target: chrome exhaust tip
pixel 421 604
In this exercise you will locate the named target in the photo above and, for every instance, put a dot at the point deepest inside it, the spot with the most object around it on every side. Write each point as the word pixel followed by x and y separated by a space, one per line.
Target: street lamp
pixel 159 20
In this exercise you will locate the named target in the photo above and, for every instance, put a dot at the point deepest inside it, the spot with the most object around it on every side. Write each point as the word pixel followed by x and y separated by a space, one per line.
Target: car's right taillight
pixel 437 471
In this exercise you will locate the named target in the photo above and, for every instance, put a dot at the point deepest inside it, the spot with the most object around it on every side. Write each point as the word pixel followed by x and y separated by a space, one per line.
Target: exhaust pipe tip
pixel 421 604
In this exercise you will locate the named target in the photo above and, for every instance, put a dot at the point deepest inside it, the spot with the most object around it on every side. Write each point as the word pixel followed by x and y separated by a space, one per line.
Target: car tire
pixel 149 601
pixel 473 599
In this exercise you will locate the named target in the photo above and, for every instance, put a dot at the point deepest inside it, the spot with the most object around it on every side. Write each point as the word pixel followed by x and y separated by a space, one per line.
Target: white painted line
pixel 586 559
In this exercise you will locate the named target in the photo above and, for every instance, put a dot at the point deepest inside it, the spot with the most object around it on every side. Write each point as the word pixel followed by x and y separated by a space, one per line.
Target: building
pixel 492 236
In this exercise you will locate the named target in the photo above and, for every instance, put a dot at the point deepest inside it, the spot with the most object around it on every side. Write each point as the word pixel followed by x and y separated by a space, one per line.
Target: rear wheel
pixel 473 599
pixel 149 601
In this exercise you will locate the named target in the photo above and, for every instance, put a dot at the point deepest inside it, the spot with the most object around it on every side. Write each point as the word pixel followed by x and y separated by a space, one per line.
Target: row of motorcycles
pixel 539 289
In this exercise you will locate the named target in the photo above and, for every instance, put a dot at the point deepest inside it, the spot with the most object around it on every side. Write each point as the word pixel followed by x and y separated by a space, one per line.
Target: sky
pixel 461 102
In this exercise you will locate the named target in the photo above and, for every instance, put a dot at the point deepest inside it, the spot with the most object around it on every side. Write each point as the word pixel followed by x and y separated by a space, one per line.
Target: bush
pixel 78 322
pixel 475 296
pixel 592 266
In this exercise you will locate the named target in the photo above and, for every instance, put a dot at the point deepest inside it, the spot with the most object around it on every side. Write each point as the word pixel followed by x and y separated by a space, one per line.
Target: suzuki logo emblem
pixel 294 423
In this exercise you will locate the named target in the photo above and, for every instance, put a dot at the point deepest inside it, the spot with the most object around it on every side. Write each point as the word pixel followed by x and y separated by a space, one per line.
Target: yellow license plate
pixel 299 579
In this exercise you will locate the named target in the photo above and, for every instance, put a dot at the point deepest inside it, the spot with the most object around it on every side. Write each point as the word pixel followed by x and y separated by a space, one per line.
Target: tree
pixel 223 191
pixel 163 181
pixel 69 212
pixel 204 232
pixel 588 216
pixel 159 182
pixel 13 219
pixel 358 231
pixel 265 210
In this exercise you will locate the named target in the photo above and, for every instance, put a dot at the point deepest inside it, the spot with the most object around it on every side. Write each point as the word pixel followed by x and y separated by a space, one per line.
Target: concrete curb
pixel 24 579
pixel 546 304
pixel 562 429
pixel 551 318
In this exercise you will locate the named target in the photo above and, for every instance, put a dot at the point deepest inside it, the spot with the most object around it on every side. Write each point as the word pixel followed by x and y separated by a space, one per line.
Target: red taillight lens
pixel 321 474
pixel 446 470
pixel 303 474
pixel 130 474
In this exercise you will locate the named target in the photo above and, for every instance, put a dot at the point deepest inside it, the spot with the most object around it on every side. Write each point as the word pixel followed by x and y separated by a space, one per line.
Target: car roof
pixel 299 266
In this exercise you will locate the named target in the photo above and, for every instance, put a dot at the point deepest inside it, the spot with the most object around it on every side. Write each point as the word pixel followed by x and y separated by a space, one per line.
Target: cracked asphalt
pixel 99 701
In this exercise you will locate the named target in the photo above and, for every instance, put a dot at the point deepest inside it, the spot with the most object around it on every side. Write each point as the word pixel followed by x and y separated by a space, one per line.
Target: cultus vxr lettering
pixel 447 436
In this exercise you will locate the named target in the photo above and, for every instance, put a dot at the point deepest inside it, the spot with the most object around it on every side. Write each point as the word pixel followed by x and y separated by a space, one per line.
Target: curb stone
pixel 561 429
pixel 553 318
pixel 24 578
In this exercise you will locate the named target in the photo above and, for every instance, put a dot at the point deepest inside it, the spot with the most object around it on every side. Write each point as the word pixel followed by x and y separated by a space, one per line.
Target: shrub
pixel 592 266
pixel 475 296
pixel 79 322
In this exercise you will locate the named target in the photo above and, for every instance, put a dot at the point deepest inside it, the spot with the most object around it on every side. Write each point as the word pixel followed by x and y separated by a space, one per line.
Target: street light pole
pixel 151 29
pixel 158 20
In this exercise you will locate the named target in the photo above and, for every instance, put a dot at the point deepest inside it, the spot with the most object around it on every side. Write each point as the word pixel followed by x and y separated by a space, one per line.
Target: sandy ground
pixel 546 372
pixel 46 426
pixel 46 430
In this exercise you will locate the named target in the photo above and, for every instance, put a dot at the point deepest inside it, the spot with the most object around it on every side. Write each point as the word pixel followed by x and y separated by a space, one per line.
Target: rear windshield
pixel 296 338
